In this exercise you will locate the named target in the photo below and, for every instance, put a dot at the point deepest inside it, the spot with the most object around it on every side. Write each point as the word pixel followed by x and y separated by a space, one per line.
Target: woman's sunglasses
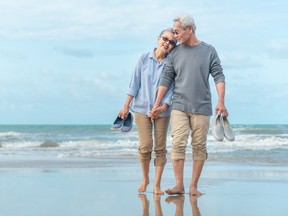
pixel 171 42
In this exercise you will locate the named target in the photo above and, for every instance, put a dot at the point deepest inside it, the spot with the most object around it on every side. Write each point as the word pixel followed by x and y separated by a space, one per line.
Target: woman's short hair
pixel 166 30
pixel 185 21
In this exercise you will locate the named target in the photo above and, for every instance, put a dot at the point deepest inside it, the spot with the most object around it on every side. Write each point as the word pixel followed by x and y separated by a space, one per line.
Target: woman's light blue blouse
pixel 144 84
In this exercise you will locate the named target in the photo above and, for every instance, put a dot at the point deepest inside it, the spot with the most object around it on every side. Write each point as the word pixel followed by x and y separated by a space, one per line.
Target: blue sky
pixel 70 61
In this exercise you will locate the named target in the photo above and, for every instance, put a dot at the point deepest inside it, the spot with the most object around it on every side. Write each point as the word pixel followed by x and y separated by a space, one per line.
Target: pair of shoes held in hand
pixel 221 128
pixel 124 124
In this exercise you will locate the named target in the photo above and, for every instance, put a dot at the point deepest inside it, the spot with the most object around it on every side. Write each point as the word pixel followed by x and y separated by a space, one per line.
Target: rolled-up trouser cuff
pixel 144 157
pixel 202 157
pixel 177 156
pixel 160 162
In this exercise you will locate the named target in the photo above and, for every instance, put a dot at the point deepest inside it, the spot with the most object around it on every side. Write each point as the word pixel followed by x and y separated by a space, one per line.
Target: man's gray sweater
pixel 190 68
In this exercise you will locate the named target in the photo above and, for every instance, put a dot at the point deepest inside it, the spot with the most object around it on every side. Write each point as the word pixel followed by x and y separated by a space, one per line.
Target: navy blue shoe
pixel 127 124
pixel 117 124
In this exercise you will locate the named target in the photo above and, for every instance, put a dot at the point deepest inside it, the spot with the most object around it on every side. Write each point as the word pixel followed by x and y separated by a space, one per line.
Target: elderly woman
pixel 141 97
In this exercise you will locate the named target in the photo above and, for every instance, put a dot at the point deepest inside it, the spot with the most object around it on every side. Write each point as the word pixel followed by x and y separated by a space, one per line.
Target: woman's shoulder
pixel 145 55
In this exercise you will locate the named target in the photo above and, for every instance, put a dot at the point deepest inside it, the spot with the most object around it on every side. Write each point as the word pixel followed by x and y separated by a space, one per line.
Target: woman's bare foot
pixel 157 190
pixel 194 191
pixel 175 190
pixel 143 185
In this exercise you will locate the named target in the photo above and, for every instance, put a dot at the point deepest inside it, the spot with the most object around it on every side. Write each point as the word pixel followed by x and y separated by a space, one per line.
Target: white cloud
pixel 95 45
pixel 81 19
pixel 74 19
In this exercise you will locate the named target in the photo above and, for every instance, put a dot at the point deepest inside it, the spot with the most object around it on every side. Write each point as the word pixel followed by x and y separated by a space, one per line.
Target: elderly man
pixel 189 67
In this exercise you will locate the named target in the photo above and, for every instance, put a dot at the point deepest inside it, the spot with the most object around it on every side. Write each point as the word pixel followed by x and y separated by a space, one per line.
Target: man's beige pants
pixel 181 124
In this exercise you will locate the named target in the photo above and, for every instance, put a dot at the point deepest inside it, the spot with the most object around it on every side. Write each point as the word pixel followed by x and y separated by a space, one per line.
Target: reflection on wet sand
pixel 145 204
pixel 194 205
pixel 178 201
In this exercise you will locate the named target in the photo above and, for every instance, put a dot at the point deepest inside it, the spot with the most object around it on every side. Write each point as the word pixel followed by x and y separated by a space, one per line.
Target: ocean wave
pixel 93 154
pixel 79 142
pixel 94 148
pixel 10 134
pixel 49 144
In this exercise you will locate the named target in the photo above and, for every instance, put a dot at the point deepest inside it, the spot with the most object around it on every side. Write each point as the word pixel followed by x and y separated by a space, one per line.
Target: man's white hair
pixel 185 21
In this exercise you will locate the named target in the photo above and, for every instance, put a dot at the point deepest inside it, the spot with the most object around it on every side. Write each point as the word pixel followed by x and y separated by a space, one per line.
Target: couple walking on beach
pixel 174 79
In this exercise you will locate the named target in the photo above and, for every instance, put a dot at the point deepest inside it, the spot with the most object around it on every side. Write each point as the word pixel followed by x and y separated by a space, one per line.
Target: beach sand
pixel 109 187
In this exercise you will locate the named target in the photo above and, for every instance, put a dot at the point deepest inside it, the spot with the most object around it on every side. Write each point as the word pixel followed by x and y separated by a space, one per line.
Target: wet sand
pixel 109 187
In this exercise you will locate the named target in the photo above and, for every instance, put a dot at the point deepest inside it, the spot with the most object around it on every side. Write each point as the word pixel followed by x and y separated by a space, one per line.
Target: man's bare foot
pixel 143 185
pixel 175 190
pixel 157 190
pixel 194 191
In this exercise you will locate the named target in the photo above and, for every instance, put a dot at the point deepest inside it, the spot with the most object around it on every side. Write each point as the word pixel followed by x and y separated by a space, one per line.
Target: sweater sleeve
pixel 216 68
pixel 168 75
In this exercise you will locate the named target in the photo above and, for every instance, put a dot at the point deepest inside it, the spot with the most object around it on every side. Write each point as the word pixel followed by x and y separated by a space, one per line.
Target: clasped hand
pixel 157 110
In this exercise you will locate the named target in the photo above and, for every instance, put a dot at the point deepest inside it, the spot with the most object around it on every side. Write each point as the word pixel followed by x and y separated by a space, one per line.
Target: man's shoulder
pixel 203 43
pixel 207 46
pixel 184 47
pixel 176 49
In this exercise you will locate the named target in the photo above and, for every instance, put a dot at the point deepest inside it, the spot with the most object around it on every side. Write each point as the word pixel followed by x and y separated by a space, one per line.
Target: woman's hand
pixel 156 111
pixel 124 112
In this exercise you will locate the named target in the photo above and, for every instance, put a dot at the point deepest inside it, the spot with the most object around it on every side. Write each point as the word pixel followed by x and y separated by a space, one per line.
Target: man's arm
pixel 165 83
pixel 220 108
pixel 160 94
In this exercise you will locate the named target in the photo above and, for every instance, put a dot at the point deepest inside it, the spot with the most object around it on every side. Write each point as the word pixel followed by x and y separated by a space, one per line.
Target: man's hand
pixel 220 108
pixel 157 110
